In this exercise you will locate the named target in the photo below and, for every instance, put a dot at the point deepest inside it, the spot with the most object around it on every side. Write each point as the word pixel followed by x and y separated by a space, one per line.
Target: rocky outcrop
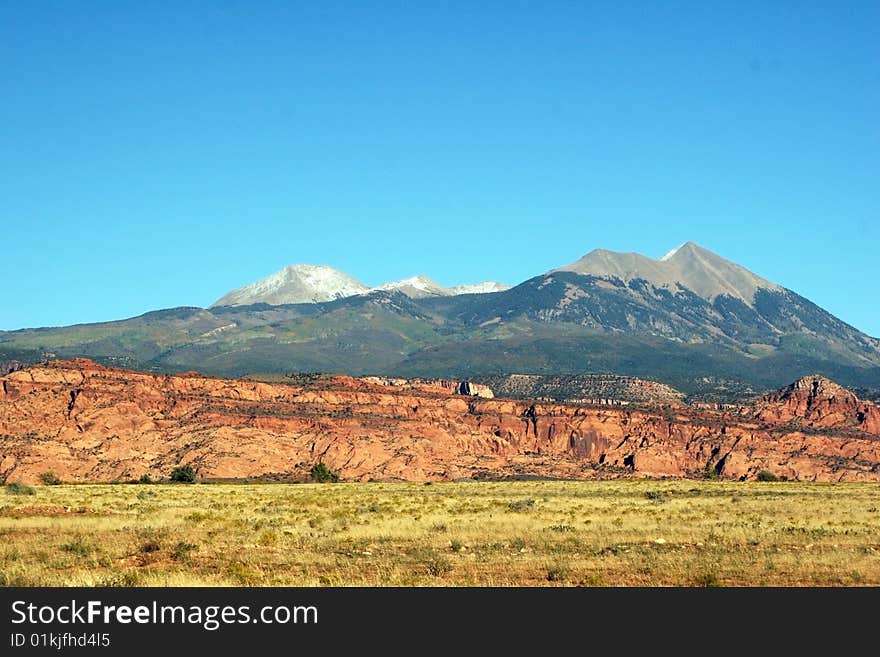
pixel 85 422
pixel 606 389
pixel 817 402
pixel 474 390
pixel 455 387
pixel 434 385
pixel 10 366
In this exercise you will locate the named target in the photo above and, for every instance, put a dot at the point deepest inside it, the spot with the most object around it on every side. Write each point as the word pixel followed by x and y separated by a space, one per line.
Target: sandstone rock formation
pixel 817 402
pixel 434 385
pixel 85 422
pixel 10 366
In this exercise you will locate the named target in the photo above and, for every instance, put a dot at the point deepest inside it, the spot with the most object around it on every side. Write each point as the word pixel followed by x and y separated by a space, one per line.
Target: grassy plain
pixel 532 533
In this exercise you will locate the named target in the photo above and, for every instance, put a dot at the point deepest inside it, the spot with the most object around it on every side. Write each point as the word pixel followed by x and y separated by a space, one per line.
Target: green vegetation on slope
pixel 560 324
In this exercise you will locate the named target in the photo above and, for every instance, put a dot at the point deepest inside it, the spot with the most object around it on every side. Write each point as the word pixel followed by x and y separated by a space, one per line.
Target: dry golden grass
pixel 632 533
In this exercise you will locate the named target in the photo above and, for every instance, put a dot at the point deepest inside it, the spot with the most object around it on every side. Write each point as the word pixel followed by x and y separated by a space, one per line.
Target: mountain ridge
pixel 304 283
pixel 689 265
pixel 705 343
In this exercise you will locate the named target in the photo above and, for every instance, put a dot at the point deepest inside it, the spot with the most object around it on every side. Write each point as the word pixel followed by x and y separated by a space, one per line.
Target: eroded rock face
pixel 10 366
pixel 89 423
pixel 817 402
pixel 474 390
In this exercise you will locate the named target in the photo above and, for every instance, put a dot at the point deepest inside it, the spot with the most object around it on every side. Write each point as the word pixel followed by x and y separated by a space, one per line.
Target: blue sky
pixel 159 154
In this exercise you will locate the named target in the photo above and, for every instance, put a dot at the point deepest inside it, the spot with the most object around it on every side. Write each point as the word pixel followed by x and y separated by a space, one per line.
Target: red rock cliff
pixel 89 423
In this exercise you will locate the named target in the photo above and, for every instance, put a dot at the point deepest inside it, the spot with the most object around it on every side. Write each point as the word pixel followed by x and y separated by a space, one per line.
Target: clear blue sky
pixel 159 154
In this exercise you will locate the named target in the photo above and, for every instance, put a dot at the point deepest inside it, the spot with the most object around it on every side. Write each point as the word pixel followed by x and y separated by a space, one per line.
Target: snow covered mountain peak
pixel 416 287
pixel 296 284
pixel 318 283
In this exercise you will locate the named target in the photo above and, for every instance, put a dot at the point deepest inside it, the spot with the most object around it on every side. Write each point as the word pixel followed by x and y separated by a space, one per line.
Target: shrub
pixel 709 472
pixel 766 475
pixel 78 547
pixel 184 474
pixel 182 550
pixel 557 573
pixel 19 489
pixel 321 474
pixel 439 566
pixel 707 580
pixel 121 579
pixel 49 478
pixel 521 505
pixel 146 479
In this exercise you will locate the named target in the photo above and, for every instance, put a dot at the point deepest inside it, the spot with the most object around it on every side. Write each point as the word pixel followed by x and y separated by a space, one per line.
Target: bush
pixel 19 489
pixel 521 505
pixel 121 579
pixel 438 566
pixel 321 474
pixel 557 573
pixel 146 479
pixel 77 546
pixel 709 472
pixel 182 550
pixel 49 478
pixel 184 474
pixel 766 475
pixel 707 580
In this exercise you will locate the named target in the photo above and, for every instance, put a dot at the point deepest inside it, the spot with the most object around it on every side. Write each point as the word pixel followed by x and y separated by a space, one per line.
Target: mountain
pixel 416 287
pixel 295 284
pixel 317 283
pixel 419 287
pixel 691 320
pixel 688 266
pixel 691 296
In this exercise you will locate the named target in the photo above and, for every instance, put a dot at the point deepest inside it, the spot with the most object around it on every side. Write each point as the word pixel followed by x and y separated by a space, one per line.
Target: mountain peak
pixel 415 286
pixel 817 386
pixel 820 402
pixel 301 283
pixel 671 253
pixel 690 265
pixel 687 249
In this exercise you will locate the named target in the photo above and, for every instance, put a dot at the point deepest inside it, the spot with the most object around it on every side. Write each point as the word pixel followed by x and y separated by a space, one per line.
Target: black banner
pixel 108 621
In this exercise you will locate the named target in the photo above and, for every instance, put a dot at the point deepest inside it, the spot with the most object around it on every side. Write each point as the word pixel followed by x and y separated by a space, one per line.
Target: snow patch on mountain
pixel 318 283
pixel 672 252
pixel 422 286
pixel 296 284
pixel 486 287
pixel 414 286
